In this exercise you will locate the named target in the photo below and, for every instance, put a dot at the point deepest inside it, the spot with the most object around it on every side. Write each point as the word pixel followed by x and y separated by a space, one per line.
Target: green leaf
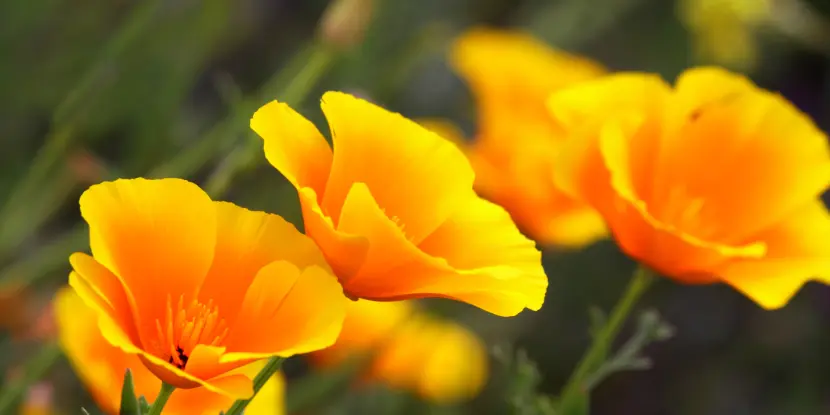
pixel 578 406
pixel 143 404
pixel 129 404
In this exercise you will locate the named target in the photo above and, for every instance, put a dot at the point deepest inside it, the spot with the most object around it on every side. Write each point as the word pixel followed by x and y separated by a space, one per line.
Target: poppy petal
pixel 588 103
pixel 98 364
pixel 503 289
pixel 417 177
pixel 669 249
pixel 152 233
pixel 798 251
pixel 246 241
pixel 739 135
pixel 109 290
pixel 487 59
pixel 286 302
pixel 101 367
pixel 236 386
pixel 293 145
pixel 345 252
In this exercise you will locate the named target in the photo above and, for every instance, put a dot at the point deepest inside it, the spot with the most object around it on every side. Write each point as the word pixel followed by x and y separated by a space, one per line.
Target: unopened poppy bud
pixel 86 167
pixel 344 22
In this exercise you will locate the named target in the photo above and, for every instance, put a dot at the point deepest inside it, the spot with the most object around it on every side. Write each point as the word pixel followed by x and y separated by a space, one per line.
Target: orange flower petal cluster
pixel 196 288
pixel 438 360
pixel 714 180
pixel 101 367
pixel 393 209
pixel 511 74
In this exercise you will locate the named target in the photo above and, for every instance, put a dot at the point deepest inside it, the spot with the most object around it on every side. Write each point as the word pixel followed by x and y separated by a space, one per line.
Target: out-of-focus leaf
pixel 523 383
pixel 129 404
pixel 143 405
pixel 579 406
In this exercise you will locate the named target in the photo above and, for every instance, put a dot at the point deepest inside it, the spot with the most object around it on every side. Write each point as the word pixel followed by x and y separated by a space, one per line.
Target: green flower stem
pixel 306 69
pixel 297 79
pixel 575 389
pixel 161 400
pixel 66 116
pixel 271 367
pixel 222 136
pixel 37 366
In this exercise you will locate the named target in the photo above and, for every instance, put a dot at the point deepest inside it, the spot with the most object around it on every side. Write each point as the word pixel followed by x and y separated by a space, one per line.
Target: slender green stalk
pixel 315 65
pixel 48 258
pixel 221 137
pixel 298 77
pixel 574 390
pixel 63 118
pixel 161 400
pixel 272 366
pixel 38 209
pixel 138 20
pixel 34 369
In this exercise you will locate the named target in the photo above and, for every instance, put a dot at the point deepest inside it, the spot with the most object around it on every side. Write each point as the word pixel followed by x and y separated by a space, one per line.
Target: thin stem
pixel 271 367
pixel 34 369
pixel 37 265
pixel 316 64
pixel 596 354
pixel 221 137
pixel 65 115
pixel 161 400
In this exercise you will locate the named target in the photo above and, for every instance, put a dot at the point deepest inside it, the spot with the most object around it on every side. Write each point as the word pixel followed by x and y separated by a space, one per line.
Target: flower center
pixel 185 326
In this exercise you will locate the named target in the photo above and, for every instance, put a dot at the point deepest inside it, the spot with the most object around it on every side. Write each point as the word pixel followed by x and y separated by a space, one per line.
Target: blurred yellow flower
pixel 511 74
pixel 394 211
pixel 714 180
pixel 196 288
pixel 101 367
pixel 724 30
pixel 438 360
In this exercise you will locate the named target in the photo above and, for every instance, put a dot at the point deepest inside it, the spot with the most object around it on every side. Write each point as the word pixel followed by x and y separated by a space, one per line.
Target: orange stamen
pixel 190 325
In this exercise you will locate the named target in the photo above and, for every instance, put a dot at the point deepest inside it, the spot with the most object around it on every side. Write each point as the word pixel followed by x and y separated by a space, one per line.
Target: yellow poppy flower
pixel 394 211
pixel 511 74
pixel 438 360
pixel 101 367
pixel 714 180
pixel 196 288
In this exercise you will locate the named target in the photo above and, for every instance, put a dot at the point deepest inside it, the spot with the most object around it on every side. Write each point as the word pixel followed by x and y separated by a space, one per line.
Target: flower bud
pixel 344 22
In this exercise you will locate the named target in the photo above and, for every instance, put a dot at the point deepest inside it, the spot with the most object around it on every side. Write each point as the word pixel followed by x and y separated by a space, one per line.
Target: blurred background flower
pixel 405 348
pixel 511 74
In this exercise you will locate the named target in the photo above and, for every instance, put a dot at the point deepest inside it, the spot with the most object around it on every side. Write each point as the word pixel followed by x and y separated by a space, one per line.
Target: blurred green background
pixel 93 90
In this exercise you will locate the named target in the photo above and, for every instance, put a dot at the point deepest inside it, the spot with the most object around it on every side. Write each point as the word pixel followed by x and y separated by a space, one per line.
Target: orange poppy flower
pixel 714 180
pixel 511 74
pixel 439 360
pixel 197 288
pixel 394 211
pixel 101 367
